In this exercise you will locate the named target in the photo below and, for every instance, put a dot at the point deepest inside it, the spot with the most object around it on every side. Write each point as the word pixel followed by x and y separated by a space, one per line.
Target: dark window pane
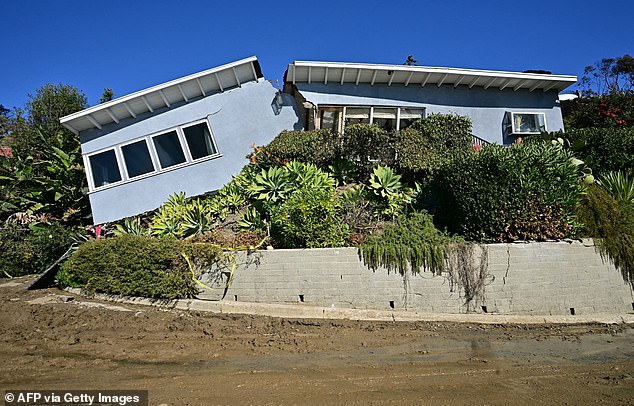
pixel 104 168
pixel 199 141
pixel 137 159
pixel 169 149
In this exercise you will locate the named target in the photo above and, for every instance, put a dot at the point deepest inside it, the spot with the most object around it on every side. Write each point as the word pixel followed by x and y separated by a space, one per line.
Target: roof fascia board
pixel 157 88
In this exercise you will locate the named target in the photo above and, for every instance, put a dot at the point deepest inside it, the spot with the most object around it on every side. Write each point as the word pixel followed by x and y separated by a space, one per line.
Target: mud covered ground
pixel 50 339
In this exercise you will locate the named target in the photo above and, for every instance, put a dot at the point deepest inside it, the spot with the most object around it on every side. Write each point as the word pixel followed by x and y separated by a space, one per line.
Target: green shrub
pixel 319 147
pixel 612 225
pixel 411 241
pixel 25 251
pixel 428 143
pixel 136 266
pixel 526 191
pixel 308 219
pixel 367 146
pixel 604 149
pixel 606 111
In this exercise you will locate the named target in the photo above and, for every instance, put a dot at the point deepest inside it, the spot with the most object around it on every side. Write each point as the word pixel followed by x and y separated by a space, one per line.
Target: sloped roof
pixel 405 75
pixel 185 89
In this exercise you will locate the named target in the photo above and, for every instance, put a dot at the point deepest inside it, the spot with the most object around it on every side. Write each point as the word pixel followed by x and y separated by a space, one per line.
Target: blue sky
pixel 133 44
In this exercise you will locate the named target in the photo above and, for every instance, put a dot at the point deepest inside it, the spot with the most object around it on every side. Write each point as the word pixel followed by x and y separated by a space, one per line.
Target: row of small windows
pixel 389 118
pixel 152 154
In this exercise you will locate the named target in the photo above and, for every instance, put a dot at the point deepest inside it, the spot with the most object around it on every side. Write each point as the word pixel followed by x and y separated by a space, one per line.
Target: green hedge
pixel 430 142
pixel 136 266
pixel 604 149
pixel 25 251
pixel 319 147
pixel 367 145
pixel 524 192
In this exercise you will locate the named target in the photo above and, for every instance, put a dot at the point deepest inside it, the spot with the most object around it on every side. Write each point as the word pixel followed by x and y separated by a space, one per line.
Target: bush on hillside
pixel 604 149
pixel 137 266
pixel 430 142
pixel 526 191
pixel 25 251
pixel 308 219
pixel 367 146
pixel 319 147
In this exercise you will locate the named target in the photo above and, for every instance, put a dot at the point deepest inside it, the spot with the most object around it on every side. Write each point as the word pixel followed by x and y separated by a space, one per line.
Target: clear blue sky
pixel 133 44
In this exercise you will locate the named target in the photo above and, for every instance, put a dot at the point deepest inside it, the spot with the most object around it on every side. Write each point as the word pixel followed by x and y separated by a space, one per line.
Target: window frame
pixel 153 158
pixel 149 142
pixel 188 154
pixel 342 111
pixel 510 123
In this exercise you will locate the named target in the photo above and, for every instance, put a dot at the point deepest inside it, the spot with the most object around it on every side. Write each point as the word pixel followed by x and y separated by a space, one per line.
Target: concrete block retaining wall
pixel 553 278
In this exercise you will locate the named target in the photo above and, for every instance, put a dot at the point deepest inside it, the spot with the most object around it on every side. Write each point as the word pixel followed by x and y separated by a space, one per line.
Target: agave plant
pixel 251 220
pixel 308 175
pixel 620 185
pixel 271 186
pixel 130 226
pixel 384 182
pixel 198 218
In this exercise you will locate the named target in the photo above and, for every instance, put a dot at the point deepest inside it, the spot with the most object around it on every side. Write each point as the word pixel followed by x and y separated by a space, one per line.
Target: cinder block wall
pixel 534 278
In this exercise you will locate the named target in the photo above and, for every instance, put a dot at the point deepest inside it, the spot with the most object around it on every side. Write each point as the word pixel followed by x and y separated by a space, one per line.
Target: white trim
pixel 453 76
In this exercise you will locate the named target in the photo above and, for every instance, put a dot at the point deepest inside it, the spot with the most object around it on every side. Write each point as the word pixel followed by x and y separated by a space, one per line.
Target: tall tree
pixel 609 76
pixel 106 96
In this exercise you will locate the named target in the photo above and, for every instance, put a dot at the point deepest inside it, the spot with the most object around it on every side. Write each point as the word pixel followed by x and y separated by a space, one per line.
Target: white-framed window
pixel 169 149
pixel 137 159
pixel 151 154
pixel 525 123
pixel 104 168
pixel 336 118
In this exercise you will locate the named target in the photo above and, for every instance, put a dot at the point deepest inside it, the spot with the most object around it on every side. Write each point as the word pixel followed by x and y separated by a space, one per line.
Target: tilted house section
pixel 188 135
pixel 501 105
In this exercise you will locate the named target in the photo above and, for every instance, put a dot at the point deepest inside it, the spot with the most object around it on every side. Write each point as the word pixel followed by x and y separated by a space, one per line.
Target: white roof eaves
pixel 66 120
pixel 437 70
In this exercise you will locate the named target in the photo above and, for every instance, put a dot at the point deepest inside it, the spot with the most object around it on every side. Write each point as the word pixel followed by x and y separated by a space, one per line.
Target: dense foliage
pixel 611 223
pixel 44 174
pixel 319 147
pixel 25 250
pixel 136 266
pixel 604 149
pixel 412 241
pixel 308 218
pixel 607 111
pixel 524 192
pixel 429 143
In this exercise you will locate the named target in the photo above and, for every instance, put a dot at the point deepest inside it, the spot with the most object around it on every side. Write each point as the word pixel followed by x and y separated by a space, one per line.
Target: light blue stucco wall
pixel 486 108
pixel 238 118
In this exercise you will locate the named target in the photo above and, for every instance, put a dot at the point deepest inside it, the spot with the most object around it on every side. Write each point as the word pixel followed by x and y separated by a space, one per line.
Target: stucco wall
pixel 536 278
pixel 486 108
pixel 238 118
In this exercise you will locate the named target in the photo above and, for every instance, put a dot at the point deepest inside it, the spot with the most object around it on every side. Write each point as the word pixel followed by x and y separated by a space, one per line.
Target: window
pixel 199 141
pixel 525 123
pixel 152 154
pixel 356 115
pixel 168 149
pixel 137 159
pixel 329 119
pixel 384 118
pixel 388 118
pixel 408 116
pixel 104 168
